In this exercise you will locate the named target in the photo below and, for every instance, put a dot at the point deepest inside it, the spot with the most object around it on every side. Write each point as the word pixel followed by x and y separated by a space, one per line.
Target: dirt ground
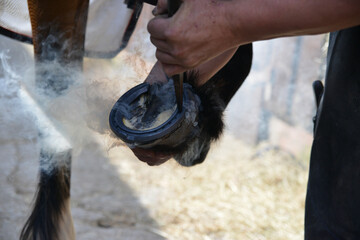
pixel 239 192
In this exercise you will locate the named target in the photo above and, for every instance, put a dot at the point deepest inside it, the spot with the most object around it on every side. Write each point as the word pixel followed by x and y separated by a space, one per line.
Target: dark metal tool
pixel 178 84
pixel 173 6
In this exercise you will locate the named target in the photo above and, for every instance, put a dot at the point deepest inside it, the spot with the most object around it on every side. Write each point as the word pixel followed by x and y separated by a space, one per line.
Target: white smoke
pixel 80 113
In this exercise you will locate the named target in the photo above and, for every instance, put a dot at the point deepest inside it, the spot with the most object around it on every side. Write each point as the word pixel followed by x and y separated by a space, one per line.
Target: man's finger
pixel 157 26
pixel 165 57
pixel 172 69
pixel 161 8
pixel 160 44
pixel 171 64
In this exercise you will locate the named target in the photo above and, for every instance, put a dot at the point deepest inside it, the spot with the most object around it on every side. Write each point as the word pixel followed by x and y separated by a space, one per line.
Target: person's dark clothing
pixel 333 197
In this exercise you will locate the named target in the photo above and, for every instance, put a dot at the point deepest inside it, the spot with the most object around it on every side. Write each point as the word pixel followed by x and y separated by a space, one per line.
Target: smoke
pixel 79 111
pixel 10 111
pixel 67 107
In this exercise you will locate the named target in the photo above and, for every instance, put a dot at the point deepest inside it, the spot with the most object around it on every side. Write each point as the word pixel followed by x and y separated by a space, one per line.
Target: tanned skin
pixel 203 29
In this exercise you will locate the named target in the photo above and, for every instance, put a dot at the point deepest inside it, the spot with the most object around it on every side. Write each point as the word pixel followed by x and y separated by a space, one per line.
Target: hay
pixel 235 194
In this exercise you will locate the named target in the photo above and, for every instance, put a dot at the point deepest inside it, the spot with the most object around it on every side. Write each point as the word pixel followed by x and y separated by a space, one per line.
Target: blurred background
pixel 251 186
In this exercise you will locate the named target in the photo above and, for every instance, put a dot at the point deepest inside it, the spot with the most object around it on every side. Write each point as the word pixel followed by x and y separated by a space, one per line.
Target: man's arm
pixel 203 29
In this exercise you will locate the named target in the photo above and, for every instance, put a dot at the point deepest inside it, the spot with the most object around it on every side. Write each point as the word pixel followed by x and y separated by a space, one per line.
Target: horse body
pixel 58 36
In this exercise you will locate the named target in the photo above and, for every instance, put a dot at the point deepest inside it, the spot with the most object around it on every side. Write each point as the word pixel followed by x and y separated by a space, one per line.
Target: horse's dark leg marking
pixel 58 36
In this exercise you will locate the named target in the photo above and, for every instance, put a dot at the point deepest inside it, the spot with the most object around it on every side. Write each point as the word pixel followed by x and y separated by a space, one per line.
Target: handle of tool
pixel 173 6
pixel 178 84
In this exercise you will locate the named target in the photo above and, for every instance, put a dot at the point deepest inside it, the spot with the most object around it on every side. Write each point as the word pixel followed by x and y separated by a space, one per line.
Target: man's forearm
pixel 254 20
pixel 203 29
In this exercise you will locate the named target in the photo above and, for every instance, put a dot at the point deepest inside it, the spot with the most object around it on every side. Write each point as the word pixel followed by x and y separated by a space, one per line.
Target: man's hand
pixel 203 29
pixel 180 39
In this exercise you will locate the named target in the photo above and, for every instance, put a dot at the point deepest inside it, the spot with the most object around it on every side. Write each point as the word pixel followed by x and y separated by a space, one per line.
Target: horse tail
pixel 51 217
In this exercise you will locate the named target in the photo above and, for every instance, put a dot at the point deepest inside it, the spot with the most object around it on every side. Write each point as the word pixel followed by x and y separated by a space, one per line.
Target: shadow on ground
pixel 103 206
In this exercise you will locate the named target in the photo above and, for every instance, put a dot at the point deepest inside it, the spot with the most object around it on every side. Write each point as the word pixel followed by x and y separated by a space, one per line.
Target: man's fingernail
pixel 154 11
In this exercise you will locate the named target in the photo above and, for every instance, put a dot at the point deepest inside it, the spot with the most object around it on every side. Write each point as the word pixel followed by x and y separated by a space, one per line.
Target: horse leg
pixel 58 29
pixel 58 36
